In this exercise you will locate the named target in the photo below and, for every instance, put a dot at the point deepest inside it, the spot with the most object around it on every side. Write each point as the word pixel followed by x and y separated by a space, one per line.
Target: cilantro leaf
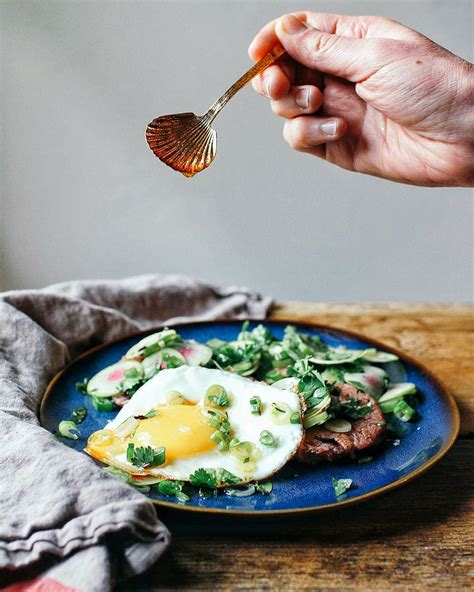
pixel 203 478
pixel 145 456
pixel 211 478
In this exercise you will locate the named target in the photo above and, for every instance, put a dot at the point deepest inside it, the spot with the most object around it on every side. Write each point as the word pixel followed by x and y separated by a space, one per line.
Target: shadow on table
pixel 429 499
pixel 411 511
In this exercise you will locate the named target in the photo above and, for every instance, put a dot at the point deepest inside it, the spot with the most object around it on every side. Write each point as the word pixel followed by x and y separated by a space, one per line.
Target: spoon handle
pixel 266 61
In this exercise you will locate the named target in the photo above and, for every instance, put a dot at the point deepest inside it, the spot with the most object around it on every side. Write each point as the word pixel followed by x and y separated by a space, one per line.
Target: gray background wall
pixel 83 197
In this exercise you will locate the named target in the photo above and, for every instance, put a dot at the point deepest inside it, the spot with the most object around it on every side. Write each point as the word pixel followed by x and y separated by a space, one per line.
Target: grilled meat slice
pixel 320 444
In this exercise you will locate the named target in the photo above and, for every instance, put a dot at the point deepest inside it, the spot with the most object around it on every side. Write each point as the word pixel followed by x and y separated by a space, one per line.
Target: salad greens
pixel 298 361
pixel 309 364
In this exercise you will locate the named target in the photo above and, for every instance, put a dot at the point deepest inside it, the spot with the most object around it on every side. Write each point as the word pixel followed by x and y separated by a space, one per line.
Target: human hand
pixel 371 95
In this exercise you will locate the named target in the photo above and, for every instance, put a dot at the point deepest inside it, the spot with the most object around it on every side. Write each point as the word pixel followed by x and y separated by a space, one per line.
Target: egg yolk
pixel 182 429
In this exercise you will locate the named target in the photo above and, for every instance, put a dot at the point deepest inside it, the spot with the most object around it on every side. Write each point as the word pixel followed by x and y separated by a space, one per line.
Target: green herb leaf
pixel 78 415
pixel 172 362
pixel 131 373
pixel 210 478
pixel 103 404
pixel 341 485
pixel 82 386
pixel 264 488
pixel 203 478
pixel 225 477
pixel 168 487
pixel 145 456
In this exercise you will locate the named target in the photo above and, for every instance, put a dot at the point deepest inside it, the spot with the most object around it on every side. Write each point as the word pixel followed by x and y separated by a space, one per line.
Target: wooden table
pixel 419 537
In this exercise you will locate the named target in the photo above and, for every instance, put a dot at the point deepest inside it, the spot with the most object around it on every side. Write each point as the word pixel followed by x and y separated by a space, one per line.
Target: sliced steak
pixel 320 444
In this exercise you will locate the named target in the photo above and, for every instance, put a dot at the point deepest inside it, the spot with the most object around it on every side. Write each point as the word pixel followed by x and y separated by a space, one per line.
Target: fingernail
pixel 267 86
pixel 291 25
pixel 329 128
pixel 302 98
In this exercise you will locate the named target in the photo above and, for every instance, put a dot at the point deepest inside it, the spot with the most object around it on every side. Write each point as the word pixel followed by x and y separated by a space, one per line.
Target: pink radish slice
pixel 108 382
pixel 196 354
pixel 116 375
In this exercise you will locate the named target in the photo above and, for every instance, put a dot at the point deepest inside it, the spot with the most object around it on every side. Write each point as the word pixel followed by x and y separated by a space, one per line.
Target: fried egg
pixel 171 411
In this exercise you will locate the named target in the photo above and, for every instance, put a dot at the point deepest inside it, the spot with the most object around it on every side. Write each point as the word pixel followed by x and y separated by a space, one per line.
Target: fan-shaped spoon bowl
pixel 186 142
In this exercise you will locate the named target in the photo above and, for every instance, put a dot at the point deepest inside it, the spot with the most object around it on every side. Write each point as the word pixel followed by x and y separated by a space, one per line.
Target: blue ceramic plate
pixel 297 487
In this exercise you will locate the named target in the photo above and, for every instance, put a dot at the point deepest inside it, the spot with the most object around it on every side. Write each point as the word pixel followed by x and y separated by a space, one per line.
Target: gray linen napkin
pixel 62 518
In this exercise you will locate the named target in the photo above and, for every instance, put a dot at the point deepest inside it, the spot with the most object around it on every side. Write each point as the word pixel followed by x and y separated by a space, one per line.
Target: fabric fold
pixel 62 516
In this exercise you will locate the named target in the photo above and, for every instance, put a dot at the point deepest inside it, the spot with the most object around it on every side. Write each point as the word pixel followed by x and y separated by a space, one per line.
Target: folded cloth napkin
pixel 65 525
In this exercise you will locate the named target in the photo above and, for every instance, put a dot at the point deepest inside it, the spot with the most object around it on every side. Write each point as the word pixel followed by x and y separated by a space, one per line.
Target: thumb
pixel 351 58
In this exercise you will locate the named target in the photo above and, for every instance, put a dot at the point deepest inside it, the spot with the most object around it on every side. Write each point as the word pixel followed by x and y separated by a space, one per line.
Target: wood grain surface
pixel 419 537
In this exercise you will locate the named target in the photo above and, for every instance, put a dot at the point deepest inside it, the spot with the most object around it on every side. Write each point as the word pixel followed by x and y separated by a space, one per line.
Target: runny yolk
pixel 182 429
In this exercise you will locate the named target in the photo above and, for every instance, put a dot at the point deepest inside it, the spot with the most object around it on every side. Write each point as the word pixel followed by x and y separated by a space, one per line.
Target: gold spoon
pixel 187 142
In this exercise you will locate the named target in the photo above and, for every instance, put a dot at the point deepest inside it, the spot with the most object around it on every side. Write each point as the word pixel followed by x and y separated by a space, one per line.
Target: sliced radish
pixel 153 343
pixel 196 354
pixel 338 356
pixel 151 363
pixel 107 382
pixel 398 389
pixel 339 426
pixel 379 357
pixel 372 380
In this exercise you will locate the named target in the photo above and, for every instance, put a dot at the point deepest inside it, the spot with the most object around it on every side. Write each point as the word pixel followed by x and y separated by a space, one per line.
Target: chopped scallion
pixel 216 396
pixel 219 438
pixel 267 439
pixel 295 417
pixel 403 411
pixel 68 429
pixel 255 406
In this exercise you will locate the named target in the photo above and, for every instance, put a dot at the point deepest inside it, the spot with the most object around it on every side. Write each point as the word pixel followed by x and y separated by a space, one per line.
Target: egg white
pixel 192 383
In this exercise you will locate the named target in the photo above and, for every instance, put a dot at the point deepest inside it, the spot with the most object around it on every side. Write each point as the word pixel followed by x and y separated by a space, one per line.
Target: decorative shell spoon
pixel 187 142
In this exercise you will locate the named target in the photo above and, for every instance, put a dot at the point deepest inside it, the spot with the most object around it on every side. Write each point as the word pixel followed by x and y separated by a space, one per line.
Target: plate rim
pixel 455 415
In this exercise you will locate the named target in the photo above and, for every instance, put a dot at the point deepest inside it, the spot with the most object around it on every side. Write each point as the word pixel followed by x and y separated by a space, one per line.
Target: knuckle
pixel 320 42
